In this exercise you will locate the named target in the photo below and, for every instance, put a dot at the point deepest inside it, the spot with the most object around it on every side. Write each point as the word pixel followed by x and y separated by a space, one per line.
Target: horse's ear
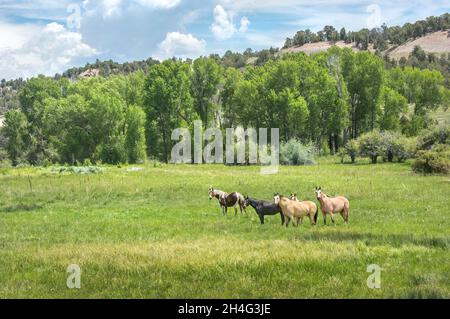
pixel 295 195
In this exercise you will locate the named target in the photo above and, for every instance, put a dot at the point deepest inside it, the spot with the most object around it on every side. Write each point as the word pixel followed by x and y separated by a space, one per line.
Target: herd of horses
pixel 290 208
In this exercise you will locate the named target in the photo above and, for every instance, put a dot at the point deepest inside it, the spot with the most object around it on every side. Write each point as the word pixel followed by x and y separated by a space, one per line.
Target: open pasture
pixel 154 233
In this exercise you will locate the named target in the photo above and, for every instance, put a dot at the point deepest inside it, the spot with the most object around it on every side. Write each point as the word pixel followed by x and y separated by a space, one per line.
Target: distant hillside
pixel 436 42
pixel 379 39
pixel 315 47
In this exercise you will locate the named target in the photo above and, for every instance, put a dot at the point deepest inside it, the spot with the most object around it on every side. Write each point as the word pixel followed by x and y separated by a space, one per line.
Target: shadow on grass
pixel 21 208
pixel 373 239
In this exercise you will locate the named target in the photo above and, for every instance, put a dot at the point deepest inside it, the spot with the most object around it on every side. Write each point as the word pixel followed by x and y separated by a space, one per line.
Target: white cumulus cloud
pixel 182 45
pixel 164 4
pixel 50 49
pixel 223 27
pixel 111 7
pixel 115 8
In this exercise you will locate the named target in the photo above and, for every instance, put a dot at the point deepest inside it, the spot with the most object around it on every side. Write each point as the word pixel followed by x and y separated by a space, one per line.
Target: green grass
pixel 155 234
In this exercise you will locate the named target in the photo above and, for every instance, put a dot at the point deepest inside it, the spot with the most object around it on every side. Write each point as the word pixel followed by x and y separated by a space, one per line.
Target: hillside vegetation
pixel 379 39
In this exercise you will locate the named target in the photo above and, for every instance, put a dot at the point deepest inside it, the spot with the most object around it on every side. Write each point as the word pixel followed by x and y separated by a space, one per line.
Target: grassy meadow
pixel 154 233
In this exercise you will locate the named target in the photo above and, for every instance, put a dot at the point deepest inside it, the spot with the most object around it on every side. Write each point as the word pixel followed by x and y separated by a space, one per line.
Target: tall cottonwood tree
pixel 205 78
pixel 168 104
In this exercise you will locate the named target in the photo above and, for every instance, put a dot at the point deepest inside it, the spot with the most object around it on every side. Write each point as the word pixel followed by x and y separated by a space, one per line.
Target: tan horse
pixel 331 205
pixel 293 210
pixel 312 208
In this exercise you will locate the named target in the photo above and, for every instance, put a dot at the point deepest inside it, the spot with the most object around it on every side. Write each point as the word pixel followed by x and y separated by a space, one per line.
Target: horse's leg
pixel 287 220
pixel 311 218
pixel 282 219
pixel 346 214
pixel 235 210
pixel 332 218
pixel 324 218
pixel 261 218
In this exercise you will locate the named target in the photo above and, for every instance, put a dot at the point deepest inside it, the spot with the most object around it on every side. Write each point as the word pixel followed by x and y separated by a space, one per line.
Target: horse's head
pixel 276 198
pixel 293 197
pixel 319 193
pixel 246 201
pixel 211 193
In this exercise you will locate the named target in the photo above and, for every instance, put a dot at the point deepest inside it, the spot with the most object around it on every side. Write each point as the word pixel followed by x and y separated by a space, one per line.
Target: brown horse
pixel 312 207
pixel 331 205
pixel 228 200
pixel 294 210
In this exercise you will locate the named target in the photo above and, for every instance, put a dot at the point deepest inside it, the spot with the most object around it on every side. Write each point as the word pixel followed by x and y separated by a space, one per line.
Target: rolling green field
pixel 155 234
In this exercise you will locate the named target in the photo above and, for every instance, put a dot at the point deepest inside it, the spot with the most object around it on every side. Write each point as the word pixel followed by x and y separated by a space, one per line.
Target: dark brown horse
pixel 228 200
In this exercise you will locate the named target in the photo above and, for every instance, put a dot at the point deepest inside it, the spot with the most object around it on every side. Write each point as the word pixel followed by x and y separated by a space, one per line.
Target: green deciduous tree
pixel 16 131
pixel 135 134
pixel 205 78
pixel 392 106
pixel 168 104
pixel 371 145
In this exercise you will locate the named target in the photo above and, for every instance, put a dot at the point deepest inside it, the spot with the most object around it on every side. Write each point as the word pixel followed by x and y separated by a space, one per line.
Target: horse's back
pixel 312 206
pixel 269 208
pixel 300 208
pixel 343 199
pixel 234 198
pixel 341 203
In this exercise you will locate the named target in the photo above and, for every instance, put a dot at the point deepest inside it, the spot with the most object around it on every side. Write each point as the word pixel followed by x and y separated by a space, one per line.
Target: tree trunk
pixel 330 144
pixel 374 159
pixel 390 157
pixel 336 143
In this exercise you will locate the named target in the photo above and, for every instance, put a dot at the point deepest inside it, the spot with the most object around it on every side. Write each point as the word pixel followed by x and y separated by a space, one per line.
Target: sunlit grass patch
pixel 153 232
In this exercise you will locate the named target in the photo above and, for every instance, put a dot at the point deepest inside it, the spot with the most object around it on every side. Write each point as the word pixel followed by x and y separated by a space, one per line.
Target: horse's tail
pixel 316 213
pixel 241 200
pixel 346 208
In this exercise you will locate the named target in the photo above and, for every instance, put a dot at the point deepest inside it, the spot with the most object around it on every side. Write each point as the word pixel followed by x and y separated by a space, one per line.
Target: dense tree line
pixel 380 38
pixel 8 94
pixel 107 68
pixel 418 58
pixel 9 88
pixel 97 119
pixel 326 100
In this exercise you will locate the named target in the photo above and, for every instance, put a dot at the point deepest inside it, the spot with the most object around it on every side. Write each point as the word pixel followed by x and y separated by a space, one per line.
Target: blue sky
pixel 49 36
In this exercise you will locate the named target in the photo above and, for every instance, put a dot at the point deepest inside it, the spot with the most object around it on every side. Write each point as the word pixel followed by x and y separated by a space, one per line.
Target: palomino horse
pixel 263 208
pixel 312 207
pixel 294 210
pixel 228 200
pixel 331 205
